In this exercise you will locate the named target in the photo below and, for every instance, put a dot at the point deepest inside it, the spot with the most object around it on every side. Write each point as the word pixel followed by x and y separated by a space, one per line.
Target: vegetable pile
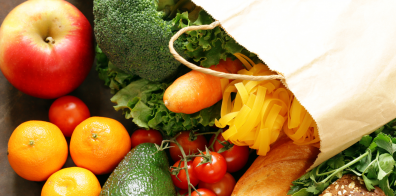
pixel 372 159
pixel 138 66
pixel 134 35
pixel 141 101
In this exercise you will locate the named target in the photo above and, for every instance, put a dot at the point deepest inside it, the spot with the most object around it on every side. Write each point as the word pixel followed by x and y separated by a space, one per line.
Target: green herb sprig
pixel 372 159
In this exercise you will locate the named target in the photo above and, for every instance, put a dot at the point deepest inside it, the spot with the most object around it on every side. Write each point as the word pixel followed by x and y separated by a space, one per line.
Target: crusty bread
pixel 350 185
pixel 272 175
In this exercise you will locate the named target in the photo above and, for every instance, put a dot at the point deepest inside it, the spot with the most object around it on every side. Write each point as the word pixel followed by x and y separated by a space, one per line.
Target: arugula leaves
pixel 372 158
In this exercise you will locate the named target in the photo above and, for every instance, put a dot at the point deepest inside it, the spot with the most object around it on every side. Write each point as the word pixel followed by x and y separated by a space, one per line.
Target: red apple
pixel 46 48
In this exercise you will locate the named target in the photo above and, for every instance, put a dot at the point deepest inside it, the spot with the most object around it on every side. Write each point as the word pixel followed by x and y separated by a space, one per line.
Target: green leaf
pixel 301 192
pixel 336 162
pixel 312 189
pixel 386 165
pixel 366 141
pixel 386 145
pixel 364 163
pixel 320 187
pixel 369 183
pixel 384 185
pixel 373 170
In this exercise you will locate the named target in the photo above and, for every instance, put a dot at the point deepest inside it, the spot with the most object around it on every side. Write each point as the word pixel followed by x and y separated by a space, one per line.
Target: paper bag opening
pixel 337 57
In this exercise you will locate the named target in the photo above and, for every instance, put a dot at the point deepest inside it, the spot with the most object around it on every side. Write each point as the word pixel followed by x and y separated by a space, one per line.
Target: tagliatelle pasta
pixel 256 111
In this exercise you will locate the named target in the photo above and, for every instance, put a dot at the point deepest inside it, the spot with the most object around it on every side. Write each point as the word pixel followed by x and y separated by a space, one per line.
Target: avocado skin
pixel 141 173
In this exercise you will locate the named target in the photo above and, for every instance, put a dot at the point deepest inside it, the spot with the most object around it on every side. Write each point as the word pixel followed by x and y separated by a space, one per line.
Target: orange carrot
pixel 195 91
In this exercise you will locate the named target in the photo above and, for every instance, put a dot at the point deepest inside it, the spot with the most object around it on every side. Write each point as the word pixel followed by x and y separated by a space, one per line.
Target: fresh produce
pixel 210 169
pixel 272 175
pixel 190 143
pixel 236 156
pixel 67 112
pixel 182 192
pixel 224 187
pixel 142 101
pixel 179 177
pixel 195 90
pixel 46 48
pixel 146 136
pixel 37 149
pixel 143 171
pixel 112 76
pixel 72 181
pixel 203 192
pixel 99 144
pixel 371 159
pixel 260 109
pixel 134 35
pixel 137 96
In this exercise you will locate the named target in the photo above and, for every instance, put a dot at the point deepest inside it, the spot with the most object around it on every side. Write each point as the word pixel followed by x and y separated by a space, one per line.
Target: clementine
pixel 72 181
pixel 36 150
pixel 99 144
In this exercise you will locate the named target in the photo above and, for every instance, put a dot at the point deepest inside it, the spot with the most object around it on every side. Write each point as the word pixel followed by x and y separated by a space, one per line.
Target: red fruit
pixel 236 157
pixel 189 147
pixel 224 187
pixel 182 181
pixel 146 136
pixel 210 172
pixel 67 112
pixel 46 48
pixel 204 192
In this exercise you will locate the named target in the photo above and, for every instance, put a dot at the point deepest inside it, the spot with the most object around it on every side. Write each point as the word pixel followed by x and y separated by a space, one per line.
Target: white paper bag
pixel 338 58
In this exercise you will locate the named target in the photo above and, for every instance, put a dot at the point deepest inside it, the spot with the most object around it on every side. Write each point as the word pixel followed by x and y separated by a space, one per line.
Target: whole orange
pixel 36 150
pixel 99 144
pixel 72 181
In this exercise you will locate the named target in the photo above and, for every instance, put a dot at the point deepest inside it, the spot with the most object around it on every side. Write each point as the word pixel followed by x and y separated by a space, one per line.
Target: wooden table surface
pixel 17 107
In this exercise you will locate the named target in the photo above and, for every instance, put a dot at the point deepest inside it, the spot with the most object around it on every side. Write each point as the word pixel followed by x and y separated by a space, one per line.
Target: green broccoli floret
pixel 134 35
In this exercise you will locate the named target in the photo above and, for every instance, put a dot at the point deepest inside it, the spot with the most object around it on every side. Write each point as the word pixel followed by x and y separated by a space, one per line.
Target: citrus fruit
pixel 36 150
pixel 72 181
pixel 99 144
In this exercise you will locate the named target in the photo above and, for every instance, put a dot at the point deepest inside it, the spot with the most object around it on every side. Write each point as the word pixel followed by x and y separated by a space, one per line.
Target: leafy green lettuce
pixel 372 159
pixel 142 101
pixel 207 47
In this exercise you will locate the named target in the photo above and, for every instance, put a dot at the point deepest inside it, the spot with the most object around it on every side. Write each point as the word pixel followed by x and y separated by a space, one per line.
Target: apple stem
pixel 50 40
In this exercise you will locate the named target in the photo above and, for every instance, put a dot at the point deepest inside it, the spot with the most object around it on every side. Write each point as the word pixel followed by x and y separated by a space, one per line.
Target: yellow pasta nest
pixel 260 109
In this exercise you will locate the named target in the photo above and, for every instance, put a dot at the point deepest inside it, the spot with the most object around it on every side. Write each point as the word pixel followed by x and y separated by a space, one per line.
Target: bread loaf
pixel 350 185
pixel 272 175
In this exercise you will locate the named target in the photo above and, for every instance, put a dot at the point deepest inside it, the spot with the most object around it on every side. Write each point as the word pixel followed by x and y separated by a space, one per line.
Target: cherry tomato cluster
pixel 209 170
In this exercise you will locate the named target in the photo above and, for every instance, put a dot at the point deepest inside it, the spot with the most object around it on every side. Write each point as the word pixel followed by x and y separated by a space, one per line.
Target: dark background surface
pixel 17 107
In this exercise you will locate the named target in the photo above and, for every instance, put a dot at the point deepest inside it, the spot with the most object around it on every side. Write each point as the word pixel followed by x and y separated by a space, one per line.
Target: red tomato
pixel 67 112
pixel 146 136
pixel 210 172
pixel 224 187
pixel 182 192
pixel 182 183
pixel 236 157
pixel 189 147
pixel 204 192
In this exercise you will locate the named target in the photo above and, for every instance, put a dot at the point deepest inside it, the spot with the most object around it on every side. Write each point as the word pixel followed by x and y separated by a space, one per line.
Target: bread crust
pixel 350 185
pixel 272 175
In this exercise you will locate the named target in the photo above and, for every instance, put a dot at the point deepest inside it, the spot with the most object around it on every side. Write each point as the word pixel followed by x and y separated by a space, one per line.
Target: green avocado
pixel 141 172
